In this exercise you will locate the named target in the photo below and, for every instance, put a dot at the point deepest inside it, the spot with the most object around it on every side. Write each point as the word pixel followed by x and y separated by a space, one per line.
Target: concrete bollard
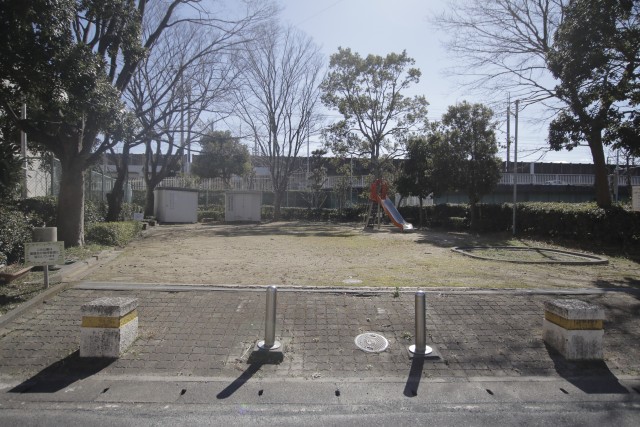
pixel 269 342
pixel 109 326
pixel 420 347
pixel 44 234
pixel 574 328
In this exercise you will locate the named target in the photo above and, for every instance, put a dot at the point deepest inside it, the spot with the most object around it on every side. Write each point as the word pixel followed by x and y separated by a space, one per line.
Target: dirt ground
pixel 314 254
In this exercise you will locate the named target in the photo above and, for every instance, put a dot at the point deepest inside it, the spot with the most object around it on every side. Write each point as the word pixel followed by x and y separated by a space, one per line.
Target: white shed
pixel 243 206
pixel 175 204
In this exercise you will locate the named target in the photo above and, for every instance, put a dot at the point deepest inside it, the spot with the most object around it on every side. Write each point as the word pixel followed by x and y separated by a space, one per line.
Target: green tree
pixel 10 164
pixel 68 61
pixel 368 93
pixel 222 156
pixel 417 171
pixel 317 179
pixel 596 57
pixel 468 132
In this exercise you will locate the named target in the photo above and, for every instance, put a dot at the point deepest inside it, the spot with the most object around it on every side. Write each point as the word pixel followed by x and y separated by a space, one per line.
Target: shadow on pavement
pixel 256 360
pixel 592 377
pixel 415 375
pixel 62 374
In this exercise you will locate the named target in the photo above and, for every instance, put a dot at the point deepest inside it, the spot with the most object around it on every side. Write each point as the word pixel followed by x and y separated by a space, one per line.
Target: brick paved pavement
pixel 210 333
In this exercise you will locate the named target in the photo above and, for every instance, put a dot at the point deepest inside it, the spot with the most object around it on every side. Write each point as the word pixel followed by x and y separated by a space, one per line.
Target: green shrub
pixel 15 230
pixel 128 209
pixel 138 197
pixel 579 221
pixel 41 210
pixel 352 214
pixel 457 223
pixel 94 212
pixel 113 233
pixel 212 214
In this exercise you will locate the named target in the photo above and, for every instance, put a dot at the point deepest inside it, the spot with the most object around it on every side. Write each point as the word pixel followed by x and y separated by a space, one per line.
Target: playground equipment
pixel 378 197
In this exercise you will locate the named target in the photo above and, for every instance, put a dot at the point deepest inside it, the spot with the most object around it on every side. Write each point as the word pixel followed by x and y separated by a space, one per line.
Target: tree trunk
pixel 71 203
pixel 603 196
pixel 277 203
pixel 116 197
pixel 421 213
pixel 472 214
pixel 149 201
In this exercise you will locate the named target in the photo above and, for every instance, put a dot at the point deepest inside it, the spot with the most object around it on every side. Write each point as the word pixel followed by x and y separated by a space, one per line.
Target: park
pixel 226 213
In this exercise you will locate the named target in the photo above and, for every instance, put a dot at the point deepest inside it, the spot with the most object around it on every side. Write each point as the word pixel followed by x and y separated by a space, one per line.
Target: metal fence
pixel 300 181
pixel 43 179
pixel 561 179
pixel 297 181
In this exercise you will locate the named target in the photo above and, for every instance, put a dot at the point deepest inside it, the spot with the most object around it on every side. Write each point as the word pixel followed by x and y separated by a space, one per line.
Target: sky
pixel 384 26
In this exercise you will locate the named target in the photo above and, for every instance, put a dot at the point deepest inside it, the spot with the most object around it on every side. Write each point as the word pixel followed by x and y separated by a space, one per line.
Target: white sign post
pixel 44 254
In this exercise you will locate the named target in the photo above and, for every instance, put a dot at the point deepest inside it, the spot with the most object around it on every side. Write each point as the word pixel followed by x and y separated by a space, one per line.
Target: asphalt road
pixel 170 402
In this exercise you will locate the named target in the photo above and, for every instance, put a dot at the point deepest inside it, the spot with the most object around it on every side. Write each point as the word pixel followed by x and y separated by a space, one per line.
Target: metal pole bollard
pixel 269 342
pixel 420 347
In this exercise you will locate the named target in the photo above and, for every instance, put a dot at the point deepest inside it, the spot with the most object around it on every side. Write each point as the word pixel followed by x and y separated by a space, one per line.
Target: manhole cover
pixel 371 342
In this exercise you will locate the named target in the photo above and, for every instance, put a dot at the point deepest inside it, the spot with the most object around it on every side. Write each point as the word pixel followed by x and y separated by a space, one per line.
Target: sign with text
pixel 635 198
pixel 138 216
pixel 44 253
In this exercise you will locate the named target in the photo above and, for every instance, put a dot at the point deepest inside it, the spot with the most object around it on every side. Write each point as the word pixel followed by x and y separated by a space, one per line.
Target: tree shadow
pixel 623 285
pixel 294 229
pixel 449 239
pixel 591 376
pixel 256 360
pixel 62 374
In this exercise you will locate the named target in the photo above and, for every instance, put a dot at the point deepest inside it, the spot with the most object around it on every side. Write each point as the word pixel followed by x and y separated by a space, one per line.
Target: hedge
pixel 576 221
pixel 113 233
pixel 15 230
pixel 352 214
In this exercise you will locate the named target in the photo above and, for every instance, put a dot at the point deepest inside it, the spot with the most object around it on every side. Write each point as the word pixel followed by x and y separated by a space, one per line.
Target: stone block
pixel 574 328
pixel 109 326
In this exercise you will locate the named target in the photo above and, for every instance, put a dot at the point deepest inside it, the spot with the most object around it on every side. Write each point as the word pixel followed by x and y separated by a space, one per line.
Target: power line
pixel 319 12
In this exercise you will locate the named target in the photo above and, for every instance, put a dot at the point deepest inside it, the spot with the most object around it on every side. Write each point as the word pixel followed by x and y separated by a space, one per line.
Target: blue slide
pixel 394 215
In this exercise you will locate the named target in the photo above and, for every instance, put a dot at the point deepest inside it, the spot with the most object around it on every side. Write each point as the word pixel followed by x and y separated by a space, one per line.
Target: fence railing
pixel 300 181
pixel 260 183
pixel 561 179
pixel 44 181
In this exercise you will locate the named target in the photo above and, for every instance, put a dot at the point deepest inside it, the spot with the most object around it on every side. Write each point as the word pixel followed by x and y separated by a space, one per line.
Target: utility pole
pixel 23 152
pixel 515 167
pixel 617 175
pixel 506 166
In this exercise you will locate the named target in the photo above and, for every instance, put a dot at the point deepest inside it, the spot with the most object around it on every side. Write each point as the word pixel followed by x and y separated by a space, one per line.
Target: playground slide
pixel 394 215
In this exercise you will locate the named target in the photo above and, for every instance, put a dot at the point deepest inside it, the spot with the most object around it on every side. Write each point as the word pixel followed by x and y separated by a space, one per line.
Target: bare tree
pixel 186 76
pixel 502 45
pixel 278 98
pixel 72 61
